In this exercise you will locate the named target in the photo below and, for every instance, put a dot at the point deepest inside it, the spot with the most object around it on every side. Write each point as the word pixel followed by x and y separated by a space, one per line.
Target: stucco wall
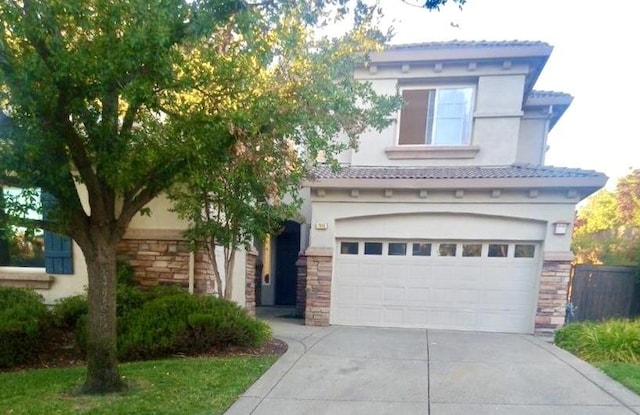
pixel 496 123
pixel 532 139
pixel 541 211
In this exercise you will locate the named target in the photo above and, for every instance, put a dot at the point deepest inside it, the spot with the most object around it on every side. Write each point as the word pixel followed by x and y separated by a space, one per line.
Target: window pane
pixel 498 250
pixel 472 250
pixel 19 246
pixel 525 251
pixel 397 248
pixel 373 248
pixel 453 116
pixel 413 116
pixel 421 249
pixel 447 250
pixel 349 248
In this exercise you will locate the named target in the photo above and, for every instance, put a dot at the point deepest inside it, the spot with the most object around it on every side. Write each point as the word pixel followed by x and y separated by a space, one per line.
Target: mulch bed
pixel 59 351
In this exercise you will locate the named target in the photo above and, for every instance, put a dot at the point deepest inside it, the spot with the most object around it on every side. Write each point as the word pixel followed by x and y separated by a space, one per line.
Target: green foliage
pixel 23 317
pixel 183 323
pixel 609 341
pixel 67 311
pixel 607 227
pixel 125 274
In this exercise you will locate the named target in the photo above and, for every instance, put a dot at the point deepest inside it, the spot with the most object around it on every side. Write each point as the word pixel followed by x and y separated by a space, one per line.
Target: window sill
pixel 404 152
pixel 25 278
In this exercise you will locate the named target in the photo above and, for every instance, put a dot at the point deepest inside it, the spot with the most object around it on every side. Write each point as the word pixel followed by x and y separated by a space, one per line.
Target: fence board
pixel 602 292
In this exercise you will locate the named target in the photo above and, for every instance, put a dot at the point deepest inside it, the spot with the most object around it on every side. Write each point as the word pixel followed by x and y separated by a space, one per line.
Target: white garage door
pixel 461 285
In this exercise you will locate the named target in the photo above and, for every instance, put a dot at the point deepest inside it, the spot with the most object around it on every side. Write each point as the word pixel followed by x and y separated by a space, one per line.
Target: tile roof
pixel 548 94
pixel 463 172
pixel 462 44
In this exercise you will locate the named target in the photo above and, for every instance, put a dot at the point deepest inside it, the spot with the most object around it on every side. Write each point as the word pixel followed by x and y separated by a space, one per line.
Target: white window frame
pixel 466 140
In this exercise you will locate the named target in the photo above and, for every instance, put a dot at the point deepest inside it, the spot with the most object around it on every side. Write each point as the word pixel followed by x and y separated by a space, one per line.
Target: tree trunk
pixel 211 251
pixel 229 261
pixel 102 363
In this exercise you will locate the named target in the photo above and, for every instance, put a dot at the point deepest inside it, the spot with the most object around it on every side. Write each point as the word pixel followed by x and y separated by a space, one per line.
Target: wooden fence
pixel 599 292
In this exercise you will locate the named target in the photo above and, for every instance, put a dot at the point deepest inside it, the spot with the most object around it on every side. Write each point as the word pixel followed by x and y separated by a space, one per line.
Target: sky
pixel 596 58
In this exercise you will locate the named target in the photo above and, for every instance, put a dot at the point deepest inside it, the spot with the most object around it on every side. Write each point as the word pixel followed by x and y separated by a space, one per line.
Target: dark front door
pixel 287 249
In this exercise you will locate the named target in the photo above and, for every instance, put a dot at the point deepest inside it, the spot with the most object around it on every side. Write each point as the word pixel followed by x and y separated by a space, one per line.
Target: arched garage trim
pixel 441 225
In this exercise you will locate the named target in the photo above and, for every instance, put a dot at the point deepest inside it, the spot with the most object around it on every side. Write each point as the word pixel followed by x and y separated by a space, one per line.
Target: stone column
pixel 552 296
pixel 318 292
pixel 301 287
pixel 250 282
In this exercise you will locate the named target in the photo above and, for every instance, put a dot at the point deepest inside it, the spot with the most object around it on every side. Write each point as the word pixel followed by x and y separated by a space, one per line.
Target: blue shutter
pixel 57 253
pixel 58 249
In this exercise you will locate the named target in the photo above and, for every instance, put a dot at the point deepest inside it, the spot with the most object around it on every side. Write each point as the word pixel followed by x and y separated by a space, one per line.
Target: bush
pixel 125 274
pixel 67 311
pixel 23 318
pixel 183 323
pixel 608 341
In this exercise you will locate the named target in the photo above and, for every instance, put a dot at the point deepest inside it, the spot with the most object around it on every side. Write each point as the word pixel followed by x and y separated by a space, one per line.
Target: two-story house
pixel 448 218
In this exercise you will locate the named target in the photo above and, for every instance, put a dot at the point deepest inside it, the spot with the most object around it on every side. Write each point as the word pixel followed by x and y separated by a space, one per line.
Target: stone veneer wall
pixel 164 262
pixel 250 283
pixel 552 297
pixel 301 287
pixel 318 292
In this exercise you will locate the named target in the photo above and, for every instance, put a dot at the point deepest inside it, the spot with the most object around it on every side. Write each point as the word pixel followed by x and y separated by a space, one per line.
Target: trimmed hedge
pixel 23 318
pixel 67 311
pixel 167 320
pixel 155 323
pixel 184 323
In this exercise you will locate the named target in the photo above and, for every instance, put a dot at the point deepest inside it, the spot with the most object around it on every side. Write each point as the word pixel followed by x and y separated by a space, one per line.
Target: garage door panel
pixel 465 293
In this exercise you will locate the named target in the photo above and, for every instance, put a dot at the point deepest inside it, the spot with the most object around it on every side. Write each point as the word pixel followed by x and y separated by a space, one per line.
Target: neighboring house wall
pixel 156 249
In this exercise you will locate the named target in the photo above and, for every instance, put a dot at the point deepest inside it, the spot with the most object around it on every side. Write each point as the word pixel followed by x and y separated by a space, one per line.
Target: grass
pixel 175 386
pixel 626 373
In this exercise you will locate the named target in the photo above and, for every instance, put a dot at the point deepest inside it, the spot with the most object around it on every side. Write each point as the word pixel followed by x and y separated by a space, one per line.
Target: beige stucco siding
pixel 531 140
pixel 448 217
pixel 496 121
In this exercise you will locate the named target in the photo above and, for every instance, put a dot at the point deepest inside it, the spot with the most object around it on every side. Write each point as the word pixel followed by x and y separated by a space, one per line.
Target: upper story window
pixel 439 116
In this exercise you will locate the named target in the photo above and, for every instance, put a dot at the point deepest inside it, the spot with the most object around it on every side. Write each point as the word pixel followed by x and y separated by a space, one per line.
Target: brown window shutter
pixel 413 116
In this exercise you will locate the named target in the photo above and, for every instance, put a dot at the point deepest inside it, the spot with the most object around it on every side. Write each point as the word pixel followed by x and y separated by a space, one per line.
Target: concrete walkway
pixel 354 370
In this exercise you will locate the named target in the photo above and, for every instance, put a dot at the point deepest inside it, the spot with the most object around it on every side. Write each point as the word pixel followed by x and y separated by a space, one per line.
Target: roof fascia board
pixel 409 55
pixel 504 183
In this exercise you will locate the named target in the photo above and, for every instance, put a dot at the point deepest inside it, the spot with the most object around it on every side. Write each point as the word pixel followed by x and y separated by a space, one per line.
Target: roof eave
pixel 590 184
pixel 444 54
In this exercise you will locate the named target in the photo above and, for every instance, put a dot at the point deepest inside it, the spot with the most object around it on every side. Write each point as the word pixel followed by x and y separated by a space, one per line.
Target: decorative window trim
pixel 17 277
pixel 406 152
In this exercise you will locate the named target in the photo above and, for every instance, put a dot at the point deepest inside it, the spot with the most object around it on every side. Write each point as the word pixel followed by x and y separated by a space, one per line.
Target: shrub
pixel 128 299
pixel 187 324
pixel 23 319
pixel 67 311
pixel 125 274
pixel 608 341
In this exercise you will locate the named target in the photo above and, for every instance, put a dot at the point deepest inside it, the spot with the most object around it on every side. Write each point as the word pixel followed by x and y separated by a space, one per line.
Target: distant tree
pixel 607 227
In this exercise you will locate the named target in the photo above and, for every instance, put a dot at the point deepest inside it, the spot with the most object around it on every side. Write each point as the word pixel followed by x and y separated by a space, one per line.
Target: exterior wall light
pixel 560 228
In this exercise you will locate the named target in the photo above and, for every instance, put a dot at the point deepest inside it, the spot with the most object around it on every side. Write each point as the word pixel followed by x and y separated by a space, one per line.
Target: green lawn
pixel 626 373
pixel 176 386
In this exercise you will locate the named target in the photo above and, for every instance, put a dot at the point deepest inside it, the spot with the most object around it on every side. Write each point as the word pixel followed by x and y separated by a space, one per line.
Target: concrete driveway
pixel 355 370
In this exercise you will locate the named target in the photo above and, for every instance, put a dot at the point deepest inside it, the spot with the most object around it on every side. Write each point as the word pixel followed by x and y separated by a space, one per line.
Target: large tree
pixel 107 108
pixel 284 123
